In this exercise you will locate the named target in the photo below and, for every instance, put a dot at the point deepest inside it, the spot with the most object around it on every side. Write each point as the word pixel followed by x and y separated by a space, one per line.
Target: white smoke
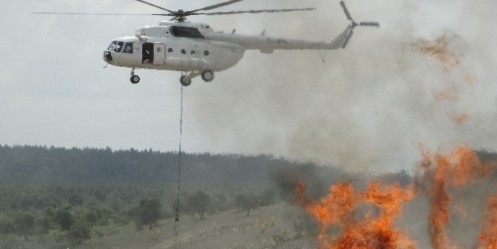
pixel 367 107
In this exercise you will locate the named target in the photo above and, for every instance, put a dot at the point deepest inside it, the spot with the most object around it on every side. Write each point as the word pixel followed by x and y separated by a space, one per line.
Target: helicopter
pixel 195 49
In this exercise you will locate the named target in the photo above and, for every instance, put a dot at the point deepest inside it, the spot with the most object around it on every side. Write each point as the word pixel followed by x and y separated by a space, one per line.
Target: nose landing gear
pixel 185 80
pixel 134 78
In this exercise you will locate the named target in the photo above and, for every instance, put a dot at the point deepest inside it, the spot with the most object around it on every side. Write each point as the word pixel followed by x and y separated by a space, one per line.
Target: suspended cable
pixel 176 219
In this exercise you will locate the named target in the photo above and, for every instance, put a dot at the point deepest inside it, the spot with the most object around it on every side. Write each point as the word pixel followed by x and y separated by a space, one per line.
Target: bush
pixel 43 225
pixel 64 219
pixel 97 217
pixel 199 203
pixel 79 232
pixel 7 227
pixel 25 224
pixel 9 242
pixel 148 212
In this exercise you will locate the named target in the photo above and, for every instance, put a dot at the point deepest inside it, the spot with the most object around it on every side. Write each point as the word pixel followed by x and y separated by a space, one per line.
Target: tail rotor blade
pixel 348 38
pixel 372 24
pixel 347 13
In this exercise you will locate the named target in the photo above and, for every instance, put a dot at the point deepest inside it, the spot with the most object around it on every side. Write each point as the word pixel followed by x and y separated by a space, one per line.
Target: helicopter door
pixel 147 53
pixel 159 54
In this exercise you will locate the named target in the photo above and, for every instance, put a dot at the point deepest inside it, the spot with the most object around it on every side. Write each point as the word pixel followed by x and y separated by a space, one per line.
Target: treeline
pixel 50 165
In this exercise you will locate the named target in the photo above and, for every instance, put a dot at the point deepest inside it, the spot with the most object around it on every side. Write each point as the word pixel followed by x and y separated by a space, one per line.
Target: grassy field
pixel 266 227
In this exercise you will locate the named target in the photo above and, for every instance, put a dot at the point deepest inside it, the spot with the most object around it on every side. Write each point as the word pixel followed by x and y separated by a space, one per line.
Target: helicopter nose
pixel 107 56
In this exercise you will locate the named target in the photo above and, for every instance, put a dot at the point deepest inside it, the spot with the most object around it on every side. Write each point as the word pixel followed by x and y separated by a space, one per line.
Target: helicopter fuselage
pixel 156 48
pixel 196 49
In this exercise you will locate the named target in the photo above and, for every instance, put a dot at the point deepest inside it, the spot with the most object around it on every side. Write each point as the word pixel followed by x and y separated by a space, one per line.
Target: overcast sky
pixel 368 107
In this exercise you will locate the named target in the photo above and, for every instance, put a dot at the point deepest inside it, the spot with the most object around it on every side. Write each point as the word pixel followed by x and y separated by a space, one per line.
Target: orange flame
pixel 330 210
pixel 342 209
pixel 340 206
pixel 458 168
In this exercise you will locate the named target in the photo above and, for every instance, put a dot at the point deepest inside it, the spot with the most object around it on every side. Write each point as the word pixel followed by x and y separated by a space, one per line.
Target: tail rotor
pixel 354 24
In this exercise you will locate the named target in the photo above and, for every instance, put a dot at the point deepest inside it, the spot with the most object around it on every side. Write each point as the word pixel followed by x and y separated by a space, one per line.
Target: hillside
pixel 35 165
pixel 99 192
pixel 99 198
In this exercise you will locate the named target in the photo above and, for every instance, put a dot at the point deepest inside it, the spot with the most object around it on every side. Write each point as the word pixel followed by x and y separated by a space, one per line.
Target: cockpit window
pixel 128 48
pixel 119 46
pixel 186 32
pixel 112 46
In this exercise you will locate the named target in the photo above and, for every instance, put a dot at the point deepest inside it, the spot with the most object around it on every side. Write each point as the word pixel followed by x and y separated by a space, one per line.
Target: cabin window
pixel 183 51
pixel 192 52
pixel 206 53
pixel 170 50
pixel 128 48
pixel 188 32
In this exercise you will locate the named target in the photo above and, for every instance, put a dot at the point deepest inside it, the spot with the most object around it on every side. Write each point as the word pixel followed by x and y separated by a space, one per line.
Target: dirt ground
pixel 267 227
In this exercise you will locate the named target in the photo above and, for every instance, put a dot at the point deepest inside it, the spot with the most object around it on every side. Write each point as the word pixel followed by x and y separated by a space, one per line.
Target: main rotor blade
pixel 156 6
pixel 347 13
pixel 215 6
pixel 89 14
pixel 252 11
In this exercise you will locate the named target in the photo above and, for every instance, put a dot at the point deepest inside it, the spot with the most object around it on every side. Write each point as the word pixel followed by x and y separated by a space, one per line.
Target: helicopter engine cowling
pixel 186 63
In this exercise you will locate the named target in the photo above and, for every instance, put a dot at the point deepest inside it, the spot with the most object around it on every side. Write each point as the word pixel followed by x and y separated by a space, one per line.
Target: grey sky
pixel 365 108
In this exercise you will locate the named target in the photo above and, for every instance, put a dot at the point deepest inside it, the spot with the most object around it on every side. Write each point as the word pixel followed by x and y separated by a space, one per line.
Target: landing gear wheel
pixel 185 81
pixel 208 75
pixel 135 79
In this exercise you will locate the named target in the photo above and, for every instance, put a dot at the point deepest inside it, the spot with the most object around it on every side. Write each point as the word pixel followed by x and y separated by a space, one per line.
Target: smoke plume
pixel 425 76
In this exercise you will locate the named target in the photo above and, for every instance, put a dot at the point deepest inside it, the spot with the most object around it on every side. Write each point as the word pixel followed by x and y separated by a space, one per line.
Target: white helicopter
pixel 195 49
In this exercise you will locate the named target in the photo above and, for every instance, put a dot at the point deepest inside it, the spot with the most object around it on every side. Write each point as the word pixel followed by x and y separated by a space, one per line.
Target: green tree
pixel 79 232
pixel 7 227
pixel 75 199
pixel 25 224
pixel 97 216
pixel 199 203
pixel 246 202
pixel 148 212
pixel 267 197
pixel 219 203
pixel 43 225
pixel 64 219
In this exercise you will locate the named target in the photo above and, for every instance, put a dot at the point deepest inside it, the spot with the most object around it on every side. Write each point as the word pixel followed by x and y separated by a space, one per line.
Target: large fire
pixel 367 219
pixel 369 230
